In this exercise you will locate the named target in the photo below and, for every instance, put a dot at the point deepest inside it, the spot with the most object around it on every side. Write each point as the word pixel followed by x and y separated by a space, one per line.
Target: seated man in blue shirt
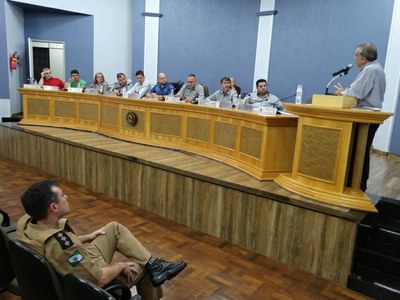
pixel 161 89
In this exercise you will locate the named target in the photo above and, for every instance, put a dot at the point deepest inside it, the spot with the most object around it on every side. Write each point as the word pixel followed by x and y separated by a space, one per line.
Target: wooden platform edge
pixel 289 197
pixel 310 239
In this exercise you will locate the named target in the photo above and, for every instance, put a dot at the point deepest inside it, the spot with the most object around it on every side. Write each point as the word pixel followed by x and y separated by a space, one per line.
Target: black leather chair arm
pixel 118 290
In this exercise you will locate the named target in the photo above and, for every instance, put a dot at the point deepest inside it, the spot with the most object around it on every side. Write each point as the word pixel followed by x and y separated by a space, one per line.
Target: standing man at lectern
pixel 369 89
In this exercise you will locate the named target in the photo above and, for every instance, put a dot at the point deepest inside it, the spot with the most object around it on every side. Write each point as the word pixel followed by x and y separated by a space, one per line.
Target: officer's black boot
pixel 161 270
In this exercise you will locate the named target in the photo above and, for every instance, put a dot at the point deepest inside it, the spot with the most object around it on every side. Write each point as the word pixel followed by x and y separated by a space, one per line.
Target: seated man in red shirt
pixel 47 79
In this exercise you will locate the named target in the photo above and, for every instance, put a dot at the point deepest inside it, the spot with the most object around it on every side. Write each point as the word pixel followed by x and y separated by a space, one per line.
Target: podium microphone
pixel 344 70
pixel 337 74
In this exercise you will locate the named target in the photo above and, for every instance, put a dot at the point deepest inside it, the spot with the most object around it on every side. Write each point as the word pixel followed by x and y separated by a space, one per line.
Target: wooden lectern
pixel 333 101
pixel 329 153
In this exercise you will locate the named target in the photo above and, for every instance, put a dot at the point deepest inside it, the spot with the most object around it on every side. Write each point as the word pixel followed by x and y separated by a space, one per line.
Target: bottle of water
pixel 299 94
pixel 171 95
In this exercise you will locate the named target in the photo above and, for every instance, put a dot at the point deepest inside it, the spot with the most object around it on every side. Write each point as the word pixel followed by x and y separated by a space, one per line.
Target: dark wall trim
pixel 145 14
pixel 267 13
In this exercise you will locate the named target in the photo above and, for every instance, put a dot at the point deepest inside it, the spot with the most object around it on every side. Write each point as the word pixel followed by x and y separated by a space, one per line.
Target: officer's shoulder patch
pixel 75 258
pixel 64 240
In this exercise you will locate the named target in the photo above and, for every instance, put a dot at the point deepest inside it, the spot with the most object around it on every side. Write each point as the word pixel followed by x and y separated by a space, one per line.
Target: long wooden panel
pixel 260 145
pixel 313 238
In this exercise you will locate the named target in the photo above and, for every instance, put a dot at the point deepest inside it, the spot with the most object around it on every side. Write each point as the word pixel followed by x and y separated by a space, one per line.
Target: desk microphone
pixel 337 74
pixel 344 70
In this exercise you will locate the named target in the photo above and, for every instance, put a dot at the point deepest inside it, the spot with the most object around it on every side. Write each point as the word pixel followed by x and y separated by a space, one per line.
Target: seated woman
pixel 99 83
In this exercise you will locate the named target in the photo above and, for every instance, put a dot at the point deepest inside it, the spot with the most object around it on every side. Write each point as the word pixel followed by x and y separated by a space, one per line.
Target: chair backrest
pixel 37 280
pixel 79 288
pixel 206 91
pixel 4 218
pixel 177 85
pixel 6 269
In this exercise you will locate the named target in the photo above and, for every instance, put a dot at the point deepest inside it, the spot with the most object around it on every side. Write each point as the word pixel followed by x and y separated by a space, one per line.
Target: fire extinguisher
pixel 13 61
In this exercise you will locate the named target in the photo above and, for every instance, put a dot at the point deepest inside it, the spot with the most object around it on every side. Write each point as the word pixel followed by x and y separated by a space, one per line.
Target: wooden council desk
pixel 260 145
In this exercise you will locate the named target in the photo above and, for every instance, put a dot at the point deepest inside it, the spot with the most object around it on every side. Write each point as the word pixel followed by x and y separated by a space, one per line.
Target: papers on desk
pixel 171 99
pixel 208 102
pixel 285 113
pixel 367 108
pixel 266 110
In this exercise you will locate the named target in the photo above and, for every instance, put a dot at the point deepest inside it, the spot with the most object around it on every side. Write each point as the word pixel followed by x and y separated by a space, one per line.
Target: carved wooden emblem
pixel 131 118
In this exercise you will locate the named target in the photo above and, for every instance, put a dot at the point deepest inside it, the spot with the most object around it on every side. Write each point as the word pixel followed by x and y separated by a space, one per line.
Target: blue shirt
pixel 159 90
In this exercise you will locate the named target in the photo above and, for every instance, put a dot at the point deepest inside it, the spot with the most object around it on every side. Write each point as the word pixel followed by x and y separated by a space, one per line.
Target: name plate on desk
pixel 31 86
pixel 50 88
pixel 334 101
pixel 75 90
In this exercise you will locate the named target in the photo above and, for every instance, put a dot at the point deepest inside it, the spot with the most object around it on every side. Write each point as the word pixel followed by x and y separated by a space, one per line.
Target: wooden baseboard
pixel 387 154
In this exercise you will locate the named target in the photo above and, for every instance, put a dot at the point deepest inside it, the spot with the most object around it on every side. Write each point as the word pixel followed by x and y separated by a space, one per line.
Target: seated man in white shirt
pixel 141 87
pixel 226 94
pixel 262 98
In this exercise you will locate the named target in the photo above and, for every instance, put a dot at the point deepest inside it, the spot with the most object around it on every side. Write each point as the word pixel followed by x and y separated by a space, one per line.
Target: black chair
pixel 79 288
pixel 206 91
pixel 76 287
pixel 177 85
pixel 4 219
pixel 8 281
pixel 37 280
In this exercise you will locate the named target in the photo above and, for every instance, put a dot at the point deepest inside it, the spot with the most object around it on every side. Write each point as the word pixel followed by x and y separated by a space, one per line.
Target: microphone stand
pixel 329 83
pixel 283 99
